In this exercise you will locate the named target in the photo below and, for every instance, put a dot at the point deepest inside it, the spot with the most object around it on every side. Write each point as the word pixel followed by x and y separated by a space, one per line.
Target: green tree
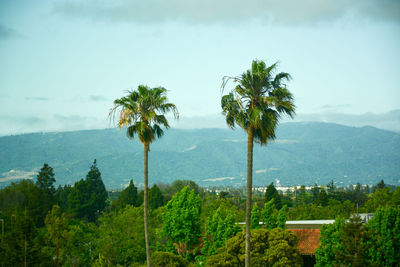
pixel 314 193
pixel 45 179
pixel 255 217
pixel 18 246
pixel 57 235
pixel 353 251
pixel 142 112
pixel 383 237
pixel 87 198
pixel 120 239
pixel 322 198
pixel 25 197
pixel 156 198
pixel 277 247
pixel 181 221
pixel 220 227
pixel 61 196
pixel 167 259
pixel 380 198
pixel 330 244
pixel 272 193
pixel 268 214
pixel 256 104
pixel 128 196
pixel 282 217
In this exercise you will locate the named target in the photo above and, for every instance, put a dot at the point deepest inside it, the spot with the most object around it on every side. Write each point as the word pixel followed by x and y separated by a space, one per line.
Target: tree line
pixel 80 225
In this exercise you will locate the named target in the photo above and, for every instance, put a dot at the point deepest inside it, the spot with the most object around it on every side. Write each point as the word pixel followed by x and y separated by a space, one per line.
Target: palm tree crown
pixel 142 112
pixel 258 100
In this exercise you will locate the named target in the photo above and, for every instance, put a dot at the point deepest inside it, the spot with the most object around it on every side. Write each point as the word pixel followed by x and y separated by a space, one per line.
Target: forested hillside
pixel 303 153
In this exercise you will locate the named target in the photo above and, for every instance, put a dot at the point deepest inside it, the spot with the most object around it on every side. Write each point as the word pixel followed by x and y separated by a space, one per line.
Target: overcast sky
pixel 62 63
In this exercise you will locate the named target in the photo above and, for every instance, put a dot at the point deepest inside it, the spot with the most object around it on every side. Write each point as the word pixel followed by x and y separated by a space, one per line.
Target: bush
pixel 166 259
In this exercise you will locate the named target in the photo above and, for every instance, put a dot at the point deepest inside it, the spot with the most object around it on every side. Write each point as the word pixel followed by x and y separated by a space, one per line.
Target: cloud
pixel 14 124
pixel 97 98
pixel 231 11
pixel 37 98
pixel 8 33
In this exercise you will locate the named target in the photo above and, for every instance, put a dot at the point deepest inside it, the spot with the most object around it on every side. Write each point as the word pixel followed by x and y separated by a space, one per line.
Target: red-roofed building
pixel 308 240
pixel 308 232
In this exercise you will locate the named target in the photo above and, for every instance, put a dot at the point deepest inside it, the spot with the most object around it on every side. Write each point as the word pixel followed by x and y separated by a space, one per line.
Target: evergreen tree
pixel 353 251
pixel 255 217
pixel 156 198
pixel 314 193
pixel 268 214
pixel 128 196
pixel 322 198
pixel 281 217
pixel 272 193
pixel 381 184
pixel 87 198
pixel 61 196
pixel 45 179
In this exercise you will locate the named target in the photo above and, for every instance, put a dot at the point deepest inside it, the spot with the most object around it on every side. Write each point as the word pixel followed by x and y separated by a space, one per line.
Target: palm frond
pixel 142 112
pixel 258 100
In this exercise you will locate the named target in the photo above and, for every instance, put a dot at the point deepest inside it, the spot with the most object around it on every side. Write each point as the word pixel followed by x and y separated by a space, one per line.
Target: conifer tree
pixel 45 179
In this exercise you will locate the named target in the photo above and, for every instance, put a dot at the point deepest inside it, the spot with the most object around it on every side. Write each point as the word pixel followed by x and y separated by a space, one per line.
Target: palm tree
pixel 142 112
pixel 256 105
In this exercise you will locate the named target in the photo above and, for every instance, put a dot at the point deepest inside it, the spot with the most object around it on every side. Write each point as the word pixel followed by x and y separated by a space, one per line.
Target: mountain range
pixel 303 153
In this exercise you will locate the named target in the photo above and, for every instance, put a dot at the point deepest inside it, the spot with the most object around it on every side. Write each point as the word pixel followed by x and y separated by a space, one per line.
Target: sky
pixel 62 63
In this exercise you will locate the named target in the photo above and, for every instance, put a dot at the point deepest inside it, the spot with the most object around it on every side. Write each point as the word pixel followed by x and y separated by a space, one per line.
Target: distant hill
pixel 304 153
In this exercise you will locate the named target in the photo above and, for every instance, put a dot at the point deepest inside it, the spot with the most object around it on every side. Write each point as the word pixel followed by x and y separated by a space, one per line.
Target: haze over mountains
pixel 303 153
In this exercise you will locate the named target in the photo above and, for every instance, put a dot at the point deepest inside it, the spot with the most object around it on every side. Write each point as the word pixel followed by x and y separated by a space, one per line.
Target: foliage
pixel 87 198
pixel 61 196
pixel 128 196
pixel 57 235
pixel 272 193
pixel 156 198
pixel 256 104
pixel 18 247
pixel 45 179
pixel 268 214
pixel 330 243
pixel 353 251
pixel 167 259
pixel 334 209
pixel 322 198
pixel 255 217
pixel 25 198
pixel 258 100
pixel 220 227
pixel 275 247
pixel 181 221
pixel 121 237
pixel 383 237
pixel 282 217
pixel 142 112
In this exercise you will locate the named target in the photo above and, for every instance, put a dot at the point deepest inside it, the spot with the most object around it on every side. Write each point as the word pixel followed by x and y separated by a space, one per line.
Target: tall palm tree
pixel 256 105
pixel 142 112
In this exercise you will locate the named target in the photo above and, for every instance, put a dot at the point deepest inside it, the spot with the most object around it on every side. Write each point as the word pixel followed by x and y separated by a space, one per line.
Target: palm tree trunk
pixel 249 187
pixel 146 187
